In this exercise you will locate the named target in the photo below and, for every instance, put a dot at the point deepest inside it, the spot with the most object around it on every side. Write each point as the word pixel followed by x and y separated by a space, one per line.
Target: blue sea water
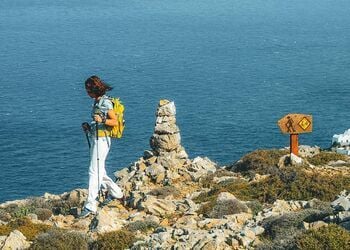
pixel 233 68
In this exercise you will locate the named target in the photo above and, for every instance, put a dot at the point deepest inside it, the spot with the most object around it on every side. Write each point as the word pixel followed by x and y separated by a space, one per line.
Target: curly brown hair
pixel 96 86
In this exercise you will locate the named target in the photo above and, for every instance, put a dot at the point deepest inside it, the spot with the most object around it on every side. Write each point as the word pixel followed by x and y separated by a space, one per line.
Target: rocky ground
pixel 266 200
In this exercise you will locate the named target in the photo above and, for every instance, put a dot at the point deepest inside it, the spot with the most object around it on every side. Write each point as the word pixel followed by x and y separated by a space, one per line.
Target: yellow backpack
pixel 117 130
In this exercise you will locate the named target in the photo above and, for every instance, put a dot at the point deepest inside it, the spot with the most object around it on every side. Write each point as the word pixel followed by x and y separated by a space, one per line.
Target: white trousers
pixel 97 173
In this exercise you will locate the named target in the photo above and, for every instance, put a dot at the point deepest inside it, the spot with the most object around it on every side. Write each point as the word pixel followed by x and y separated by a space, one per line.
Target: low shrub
pixel 260 162
pixel 292 183
pixel 60 240
pixel 25 226
pixel 22 211
pixel 142 226
pixel 207 207
pixel 208 180
pixel 324 157
pixel 290 224
pixel 255 206
pixel 28 228
pixel 227 207
pixel 43 213
pixel 4 215
pixel 117 240
pixel 331 237
pixel 5 230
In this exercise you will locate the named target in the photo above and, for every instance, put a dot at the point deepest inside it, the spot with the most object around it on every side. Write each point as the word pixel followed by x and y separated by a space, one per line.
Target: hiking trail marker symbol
pixel 295 124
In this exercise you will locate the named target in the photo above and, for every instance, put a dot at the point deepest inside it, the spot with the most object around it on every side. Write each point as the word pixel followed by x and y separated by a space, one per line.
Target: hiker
pixel 102 116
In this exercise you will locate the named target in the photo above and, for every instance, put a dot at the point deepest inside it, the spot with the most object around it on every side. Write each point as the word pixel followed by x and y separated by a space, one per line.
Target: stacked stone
pixel 167 162
pixel 166 137
pixel 166 140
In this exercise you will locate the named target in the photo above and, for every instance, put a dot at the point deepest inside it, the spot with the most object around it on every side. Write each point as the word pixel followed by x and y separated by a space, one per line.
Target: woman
pixel 102 115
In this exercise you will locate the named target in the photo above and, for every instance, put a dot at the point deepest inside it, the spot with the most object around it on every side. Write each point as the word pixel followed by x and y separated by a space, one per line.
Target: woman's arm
pixel 111 119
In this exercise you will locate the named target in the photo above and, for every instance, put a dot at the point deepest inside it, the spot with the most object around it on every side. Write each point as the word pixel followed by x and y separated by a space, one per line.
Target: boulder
pixel 156 172
pixel 342 203
pixel 201 167
pixel 77 196
pixel 108 220
pixel 167 142
pixel 166 128
pixel 16 240
pixel 166 108
pixel 158 207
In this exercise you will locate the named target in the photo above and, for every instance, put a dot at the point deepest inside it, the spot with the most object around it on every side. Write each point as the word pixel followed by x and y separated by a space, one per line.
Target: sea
pixel 232 67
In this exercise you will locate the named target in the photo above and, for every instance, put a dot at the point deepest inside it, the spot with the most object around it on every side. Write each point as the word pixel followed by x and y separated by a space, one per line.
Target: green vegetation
pixel 44 209
pixel 282 232
pixel 288 183
pixel 60 240
pixel 259 161
pixel 292 183
pixel 118 240
pixel 5 230
pixel 331 237
pixel 324 157
pixel 143 226
pixel 25 226
pixel 226 207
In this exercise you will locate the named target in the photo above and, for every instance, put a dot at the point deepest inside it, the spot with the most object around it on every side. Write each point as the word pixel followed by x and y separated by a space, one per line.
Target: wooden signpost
pixel 295 124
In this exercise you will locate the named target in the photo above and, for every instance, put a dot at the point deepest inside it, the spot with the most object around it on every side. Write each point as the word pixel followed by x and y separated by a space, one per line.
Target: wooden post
pixel 294 147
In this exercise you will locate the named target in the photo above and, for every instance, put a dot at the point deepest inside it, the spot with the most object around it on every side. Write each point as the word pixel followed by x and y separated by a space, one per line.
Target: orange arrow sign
pixel 295 124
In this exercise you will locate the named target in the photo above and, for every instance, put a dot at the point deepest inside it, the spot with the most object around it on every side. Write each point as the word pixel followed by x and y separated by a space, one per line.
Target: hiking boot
pixel 108 200
pixel 85 213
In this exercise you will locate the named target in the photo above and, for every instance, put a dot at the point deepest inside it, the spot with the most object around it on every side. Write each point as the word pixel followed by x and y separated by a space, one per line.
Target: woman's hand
pixel 98 118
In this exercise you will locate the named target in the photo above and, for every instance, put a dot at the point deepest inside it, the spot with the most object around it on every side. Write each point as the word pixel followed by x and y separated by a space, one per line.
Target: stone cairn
pixel 166 163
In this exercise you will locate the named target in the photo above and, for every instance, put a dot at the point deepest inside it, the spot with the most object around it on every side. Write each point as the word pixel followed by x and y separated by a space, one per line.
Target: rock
pixel 343 216
pixel 308 151
pixel 141 166
pixel 156 172
pixel 201 167
pixel 75 211
pixel 158 207
pixel 189 222
pixel 49 196
pixel 342 203
pixel 148 154
pixel 108 220
pixel 122 174
pixel 167 142
pixel 165 119
pixel 218 180
pixel 239 218
pixel 210 223
pixel 135 199
pixel 2 240
pixel 16 240
pixel 166 128
pixel 61 221
pixel 166 108
pixel 295 160
pixel 345 225
pixel 82 224
pixel 32 216
pixel 258 230
pixel 224 196
pixel 317 224
pixel 78 196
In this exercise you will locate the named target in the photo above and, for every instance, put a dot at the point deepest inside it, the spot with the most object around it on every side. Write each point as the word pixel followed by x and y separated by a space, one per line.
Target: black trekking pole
pixel 98 165
pixel 86 129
